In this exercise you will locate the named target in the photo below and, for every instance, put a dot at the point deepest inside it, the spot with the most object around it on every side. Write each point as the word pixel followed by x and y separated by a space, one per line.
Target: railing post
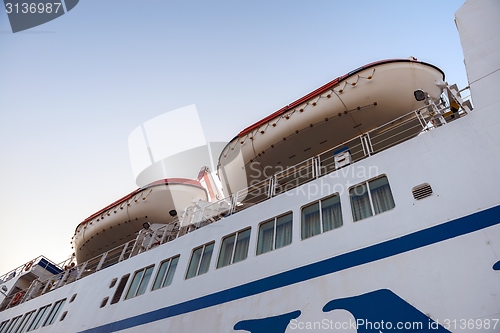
pixel 32 290
pixel 63 277
pixel 136 247
pixel 81 270
pixel 366 145
pixel 101 262
pixel 233 202
pixel 271 191
pixel 122 255
pixel 316 167
pixel 165 232
pixel 438 116
pixel 369 143
pixel 47 284
pixel 421 119
pixel 201 216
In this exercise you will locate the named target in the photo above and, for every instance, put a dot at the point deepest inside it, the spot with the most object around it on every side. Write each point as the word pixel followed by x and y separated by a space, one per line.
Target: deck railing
pixel 381 138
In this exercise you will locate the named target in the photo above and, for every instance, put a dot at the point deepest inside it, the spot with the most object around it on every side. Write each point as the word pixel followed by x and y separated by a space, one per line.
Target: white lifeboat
pixel 342 109
pixel 156 203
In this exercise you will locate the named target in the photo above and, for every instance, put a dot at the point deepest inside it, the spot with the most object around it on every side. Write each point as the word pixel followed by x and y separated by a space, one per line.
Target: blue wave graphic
pixel 276 324
pixel 382 310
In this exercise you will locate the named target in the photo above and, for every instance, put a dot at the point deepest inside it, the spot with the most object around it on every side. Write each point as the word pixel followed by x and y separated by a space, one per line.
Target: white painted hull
pixel 454 307
pixel 435 255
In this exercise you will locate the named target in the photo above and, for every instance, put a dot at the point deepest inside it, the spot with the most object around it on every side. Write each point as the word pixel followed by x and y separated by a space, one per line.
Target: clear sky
pixel 73 89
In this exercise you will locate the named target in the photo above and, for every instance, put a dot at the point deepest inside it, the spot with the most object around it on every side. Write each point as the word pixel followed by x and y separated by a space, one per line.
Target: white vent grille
pixel 422 191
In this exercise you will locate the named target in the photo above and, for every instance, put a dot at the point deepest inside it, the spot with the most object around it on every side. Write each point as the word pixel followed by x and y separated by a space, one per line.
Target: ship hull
pixel 429 262
pixel 376 287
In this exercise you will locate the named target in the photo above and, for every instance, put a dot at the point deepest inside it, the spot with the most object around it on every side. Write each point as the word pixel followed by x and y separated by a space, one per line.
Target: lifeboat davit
pixel 342 109
pixel 156 203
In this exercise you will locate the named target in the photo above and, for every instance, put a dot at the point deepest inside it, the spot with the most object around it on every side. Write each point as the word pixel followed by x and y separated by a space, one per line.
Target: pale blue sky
pixel 73 89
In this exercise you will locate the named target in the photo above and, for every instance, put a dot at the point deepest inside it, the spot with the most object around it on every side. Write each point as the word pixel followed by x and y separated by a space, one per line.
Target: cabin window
pixel 63 315
pixel 139 282
pixel 119 290
pixel 11 326
pixel 3 325
pixel 200 260
pixel 24 322
pixel 104 302
pixel 234 248
pixel 113 282
pixel 371 198
pixel 165 273
pixel 54 312
pixel 37 321
pixel 274 233
pixel 320 216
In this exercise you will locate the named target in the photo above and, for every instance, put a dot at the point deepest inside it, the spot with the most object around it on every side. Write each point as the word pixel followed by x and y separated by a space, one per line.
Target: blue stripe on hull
pixel 439 233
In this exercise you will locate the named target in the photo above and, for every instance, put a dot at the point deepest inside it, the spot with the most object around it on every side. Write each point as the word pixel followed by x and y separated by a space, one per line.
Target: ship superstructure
pixel 392 223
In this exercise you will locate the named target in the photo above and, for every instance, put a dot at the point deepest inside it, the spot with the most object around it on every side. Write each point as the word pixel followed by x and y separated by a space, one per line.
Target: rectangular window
pixel 139 282
pixel 311 221
pixel 360 202
pixel 24 322
pixel 372 197
pixel 12 324
pixel 266 236
pixel 3 325
pixel 321 216
pixel 119 290
pixel 54 312
pixel 274 233
pixel 200 260
pixel 37 321
pixel 234 248
pixel 165 273
pixel 381 194
pixel 242 243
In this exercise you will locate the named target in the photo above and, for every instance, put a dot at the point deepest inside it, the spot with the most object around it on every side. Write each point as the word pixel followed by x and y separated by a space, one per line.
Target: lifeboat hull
pixel 345 108
pixel 119 222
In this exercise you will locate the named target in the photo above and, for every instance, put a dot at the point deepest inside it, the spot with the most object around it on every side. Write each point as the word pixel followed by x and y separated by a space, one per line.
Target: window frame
pixel 37 320
pixel 54 312
pixel 319 202
pixel 166 273
pixel 3 325
pixel 24 321
pixel 233 250
pixel 117 295
pixel 366 184
pixel 13 323
pixel 200 260
pixel 275 221
pixel 140 283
